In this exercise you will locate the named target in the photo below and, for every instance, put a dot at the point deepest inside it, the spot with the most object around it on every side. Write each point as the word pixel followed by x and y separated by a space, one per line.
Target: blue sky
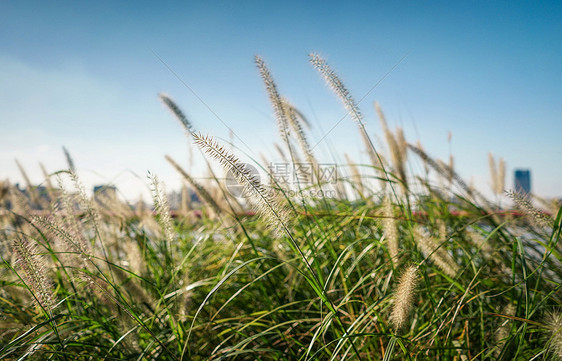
pixel 87 75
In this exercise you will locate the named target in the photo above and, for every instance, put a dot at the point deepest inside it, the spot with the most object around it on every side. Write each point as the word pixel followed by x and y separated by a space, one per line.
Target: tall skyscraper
pixel 523 180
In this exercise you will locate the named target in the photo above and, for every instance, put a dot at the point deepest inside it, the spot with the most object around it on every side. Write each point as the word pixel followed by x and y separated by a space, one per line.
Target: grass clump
pixel 392 265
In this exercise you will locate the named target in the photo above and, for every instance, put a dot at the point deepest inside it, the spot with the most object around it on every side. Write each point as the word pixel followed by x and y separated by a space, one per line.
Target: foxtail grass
pixel 390 230
pixel 404 297
pixel 436 252
pixel 275 98
pixel 535 215
pixel 266 205
pixel 398 148
pixel 69 160
pixel 336 84
pixel 34 274
pixel 176 112
pixel 553 321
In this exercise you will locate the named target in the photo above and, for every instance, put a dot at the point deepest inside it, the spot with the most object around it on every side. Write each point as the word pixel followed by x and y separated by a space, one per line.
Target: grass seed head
pixel 176 112
pixel 524 204
pixel 404 297
pixel 390 230
pixel 34 270
pixel 554 326
pixel 432 249
pixel 265 203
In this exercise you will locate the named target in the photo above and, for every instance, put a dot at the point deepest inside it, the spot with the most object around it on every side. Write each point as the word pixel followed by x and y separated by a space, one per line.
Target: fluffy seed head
pixel 397 146
pixel 334 82
pixel 403 297
pixel 444 170
pixel 162 208
pixel 389 226
pixel 266 205
pixel 69 160
pixel 502 333
pixel 274 98
pixel 523 202
pixel 500 181
pixel 337 86
pixel 493 171
pixel 298 131
pixel 554 326
pixel 176 111
pixel 34 272
pixel 431 248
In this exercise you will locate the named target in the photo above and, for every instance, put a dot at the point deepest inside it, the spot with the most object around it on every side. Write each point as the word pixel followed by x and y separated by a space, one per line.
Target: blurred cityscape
pixel 40 197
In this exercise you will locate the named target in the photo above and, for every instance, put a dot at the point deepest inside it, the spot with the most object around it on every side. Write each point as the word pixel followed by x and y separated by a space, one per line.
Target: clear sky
pixel 86 76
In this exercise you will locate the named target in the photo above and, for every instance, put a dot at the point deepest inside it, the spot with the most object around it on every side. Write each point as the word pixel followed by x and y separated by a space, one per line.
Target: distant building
pixel 37 196
pixel 174 200
pixel 181 200
pixel 523 180
pixel 105 191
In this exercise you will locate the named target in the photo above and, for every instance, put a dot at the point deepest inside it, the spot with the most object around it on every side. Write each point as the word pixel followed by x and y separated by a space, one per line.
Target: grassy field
pixel 383 264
